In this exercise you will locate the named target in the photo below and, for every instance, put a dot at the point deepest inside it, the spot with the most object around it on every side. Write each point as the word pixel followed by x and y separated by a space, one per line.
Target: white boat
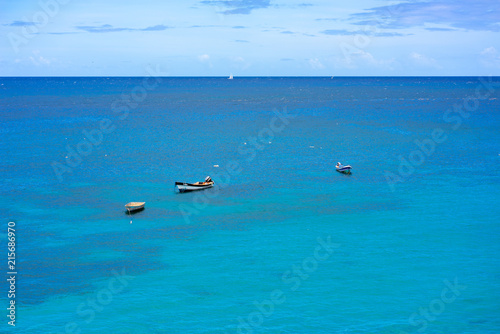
pixel 186 187
pixel 231 76
pixel 134 206
pixel 343 169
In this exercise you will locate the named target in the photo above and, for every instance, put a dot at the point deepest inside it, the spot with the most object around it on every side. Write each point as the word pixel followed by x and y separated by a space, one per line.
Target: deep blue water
pixel 408 243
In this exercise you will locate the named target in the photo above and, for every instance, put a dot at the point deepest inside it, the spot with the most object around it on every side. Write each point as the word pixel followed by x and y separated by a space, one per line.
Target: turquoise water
pixel 408 243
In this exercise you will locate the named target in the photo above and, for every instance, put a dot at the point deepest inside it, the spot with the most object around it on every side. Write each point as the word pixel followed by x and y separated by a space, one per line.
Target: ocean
pixel 407 243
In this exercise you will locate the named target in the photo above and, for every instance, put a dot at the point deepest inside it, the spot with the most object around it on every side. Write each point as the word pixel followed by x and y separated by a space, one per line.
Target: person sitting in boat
pixel 207 180
pixel 338 164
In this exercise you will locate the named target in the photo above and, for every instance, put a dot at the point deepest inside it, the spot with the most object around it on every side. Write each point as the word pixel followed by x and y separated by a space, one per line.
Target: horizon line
pixel 251 76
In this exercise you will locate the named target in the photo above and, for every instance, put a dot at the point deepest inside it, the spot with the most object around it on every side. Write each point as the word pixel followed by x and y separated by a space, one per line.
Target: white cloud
pixel 354 58
pixel 365 57
pixel 37 59
pixel 424 61
pixel 316 64
pixel 204 58
pixel 491 51
pixel 240 63
pixel 490 57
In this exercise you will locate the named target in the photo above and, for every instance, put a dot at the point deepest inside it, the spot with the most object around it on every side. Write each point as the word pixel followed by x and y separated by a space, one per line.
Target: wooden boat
pixel 186 187
pixel 134 206
pixel 343 169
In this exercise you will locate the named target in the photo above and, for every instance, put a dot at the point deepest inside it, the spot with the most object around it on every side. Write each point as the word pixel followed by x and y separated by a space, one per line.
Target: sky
pixel 250 37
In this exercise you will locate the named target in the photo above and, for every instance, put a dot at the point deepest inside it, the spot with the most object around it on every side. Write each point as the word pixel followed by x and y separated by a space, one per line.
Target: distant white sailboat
pixel 231 76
